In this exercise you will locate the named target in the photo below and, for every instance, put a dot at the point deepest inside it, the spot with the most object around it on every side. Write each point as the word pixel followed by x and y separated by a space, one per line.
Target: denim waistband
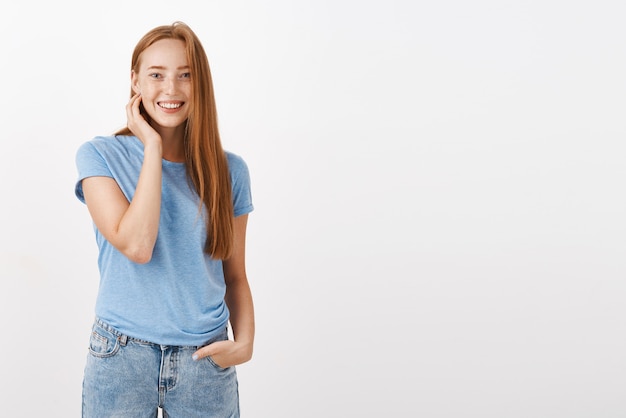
pixel 123 338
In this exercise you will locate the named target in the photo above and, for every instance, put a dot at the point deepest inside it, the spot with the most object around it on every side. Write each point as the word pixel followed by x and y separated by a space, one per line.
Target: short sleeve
pixel 89 163
pixel 240 182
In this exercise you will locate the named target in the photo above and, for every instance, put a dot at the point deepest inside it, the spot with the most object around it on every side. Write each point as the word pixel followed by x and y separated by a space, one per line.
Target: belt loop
pixel 122 339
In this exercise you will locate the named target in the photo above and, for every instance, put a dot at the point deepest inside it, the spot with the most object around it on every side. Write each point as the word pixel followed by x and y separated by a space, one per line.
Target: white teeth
pixel 170 105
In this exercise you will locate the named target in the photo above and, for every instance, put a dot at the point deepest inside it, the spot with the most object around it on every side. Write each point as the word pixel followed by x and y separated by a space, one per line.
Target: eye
pixel 185 75
pixel 154 75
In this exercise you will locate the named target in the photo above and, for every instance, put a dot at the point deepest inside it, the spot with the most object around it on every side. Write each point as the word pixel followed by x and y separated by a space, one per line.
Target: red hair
pixel 205 160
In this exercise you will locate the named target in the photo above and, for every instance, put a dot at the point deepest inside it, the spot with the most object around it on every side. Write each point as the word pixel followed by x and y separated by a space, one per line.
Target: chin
pixel 168 124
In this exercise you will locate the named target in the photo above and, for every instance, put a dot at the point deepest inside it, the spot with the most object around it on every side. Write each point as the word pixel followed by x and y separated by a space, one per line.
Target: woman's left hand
pixel 225 353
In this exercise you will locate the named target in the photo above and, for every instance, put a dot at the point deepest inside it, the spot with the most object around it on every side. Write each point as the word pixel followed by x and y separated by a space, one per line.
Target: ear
pixel 134 82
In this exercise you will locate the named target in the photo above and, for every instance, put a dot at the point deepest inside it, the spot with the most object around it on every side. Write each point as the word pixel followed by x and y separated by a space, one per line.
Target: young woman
pixel 169 208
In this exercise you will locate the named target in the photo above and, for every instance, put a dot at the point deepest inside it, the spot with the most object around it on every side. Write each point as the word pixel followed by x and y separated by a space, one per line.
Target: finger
pixel 130 105
pixel 202 353
pixel 210 350
pixel 136 103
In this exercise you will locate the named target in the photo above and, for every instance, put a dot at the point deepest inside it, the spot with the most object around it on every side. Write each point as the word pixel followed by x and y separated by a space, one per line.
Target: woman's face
pixel 164 81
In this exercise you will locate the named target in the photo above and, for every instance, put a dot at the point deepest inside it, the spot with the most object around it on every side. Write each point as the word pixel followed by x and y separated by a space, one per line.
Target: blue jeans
pixel 130 378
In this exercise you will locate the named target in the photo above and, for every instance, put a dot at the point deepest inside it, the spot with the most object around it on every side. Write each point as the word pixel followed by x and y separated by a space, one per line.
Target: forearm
pixel 238 298
pixel 230 353
pixel 239 301
pixel 138 228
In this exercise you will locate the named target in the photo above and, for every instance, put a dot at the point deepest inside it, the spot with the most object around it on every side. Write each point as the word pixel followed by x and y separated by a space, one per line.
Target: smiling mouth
pixel 165 105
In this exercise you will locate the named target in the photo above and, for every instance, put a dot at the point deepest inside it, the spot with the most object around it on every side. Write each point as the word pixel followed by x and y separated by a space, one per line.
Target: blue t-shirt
pixel 178 297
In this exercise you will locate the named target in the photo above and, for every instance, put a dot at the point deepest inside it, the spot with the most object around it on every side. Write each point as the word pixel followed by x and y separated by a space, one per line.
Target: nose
pixel 170 86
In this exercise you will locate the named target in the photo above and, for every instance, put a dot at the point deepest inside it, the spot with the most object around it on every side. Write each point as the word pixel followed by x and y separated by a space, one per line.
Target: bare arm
pixel 239 301
pixel 131 227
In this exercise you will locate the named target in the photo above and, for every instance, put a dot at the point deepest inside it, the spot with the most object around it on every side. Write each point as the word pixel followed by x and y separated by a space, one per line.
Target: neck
pixel 173 144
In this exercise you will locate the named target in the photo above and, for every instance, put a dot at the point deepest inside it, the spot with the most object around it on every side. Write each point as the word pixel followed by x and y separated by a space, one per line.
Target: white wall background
pixel 439 189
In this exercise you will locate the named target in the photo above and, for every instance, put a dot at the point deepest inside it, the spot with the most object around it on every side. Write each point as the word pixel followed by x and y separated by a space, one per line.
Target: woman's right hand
pixel 131 226
pixel 138 124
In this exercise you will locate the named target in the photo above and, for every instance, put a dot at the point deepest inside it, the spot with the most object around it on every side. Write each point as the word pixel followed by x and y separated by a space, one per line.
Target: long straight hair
pixel 205 159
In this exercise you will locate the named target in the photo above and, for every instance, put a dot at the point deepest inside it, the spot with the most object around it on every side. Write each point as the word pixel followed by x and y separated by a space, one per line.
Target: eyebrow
pixel 160 67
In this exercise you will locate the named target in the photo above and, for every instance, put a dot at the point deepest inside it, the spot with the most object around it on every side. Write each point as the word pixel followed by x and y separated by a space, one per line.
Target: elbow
pixel 139 255
pixel 136 247
pixel 247 353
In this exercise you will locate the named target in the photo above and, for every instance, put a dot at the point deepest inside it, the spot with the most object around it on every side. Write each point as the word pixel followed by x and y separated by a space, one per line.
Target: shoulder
pixel 234 158
pixel 93 148
pixel 113 146
pixel 110 142
pixel 236 163
pixel 240 183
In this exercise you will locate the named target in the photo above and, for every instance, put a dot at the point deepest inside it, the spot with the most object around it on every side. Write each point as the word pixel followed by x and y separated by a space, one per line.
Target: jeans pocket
pixel 103 343
pixel 214 364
